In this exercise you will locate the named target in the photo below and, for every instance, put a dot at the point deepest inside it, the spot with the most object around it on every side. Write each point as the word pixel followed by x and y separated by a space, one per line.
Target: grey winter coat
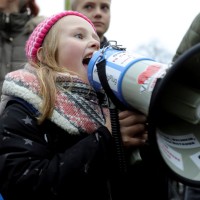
pixel 191 38
pixel 14 31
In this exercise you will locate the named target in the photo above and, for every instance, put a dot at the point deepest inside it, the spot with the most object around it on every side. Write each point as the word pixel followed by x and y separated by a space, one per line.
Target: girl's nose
pixel 95 44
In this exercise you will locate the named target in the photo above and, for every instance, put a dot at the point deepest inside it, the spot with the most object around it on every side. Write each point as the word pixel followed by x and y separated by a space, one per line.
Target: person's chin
pixel 100 30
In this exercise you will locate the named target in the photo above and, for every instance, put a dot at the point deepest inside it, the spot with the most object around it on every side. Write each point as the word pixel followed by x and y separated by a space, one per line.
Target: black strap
pixel 119 150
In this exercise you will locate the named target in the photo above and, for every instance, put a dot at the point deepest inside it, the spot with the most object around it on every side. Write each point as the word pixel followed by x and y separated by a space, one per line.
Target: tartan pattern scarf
pixel 76 108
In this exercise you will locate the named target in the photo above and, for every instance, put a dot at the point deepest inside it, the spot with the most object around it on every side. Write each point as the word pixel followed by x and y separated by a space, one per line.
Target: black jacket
pixel 43 162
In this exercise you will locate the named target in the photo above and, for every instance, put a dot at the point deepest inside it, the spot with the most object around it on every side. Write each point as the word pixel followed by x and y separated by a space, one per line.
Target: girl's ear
pixel 39 54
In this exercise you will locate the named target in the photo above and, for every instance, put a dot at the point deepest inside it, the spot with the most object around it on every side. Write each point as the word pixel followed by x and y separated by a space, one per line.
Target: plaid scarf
pixel 76 108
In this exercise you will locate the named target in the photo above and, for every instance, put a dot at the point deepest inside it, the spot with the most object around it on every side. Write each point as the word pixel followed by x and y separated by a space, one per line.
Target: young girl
pixel 55 141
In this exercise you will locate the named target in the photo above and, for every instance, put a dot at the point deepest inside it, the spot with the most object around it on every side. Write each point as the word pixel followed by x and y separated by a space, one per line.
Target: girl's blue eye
pixel 79 35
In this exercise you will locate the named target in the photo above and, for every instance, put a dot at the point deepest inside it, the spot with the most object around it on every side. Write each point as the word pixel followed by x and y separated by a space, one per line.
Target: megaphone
pixel 168 94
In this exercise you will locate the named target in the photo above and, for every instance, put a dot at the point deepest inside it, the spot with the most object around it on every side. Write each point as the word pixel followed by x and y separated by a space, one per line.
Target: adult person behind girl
pixel 98 12
pixel 55 141
pixel 18 18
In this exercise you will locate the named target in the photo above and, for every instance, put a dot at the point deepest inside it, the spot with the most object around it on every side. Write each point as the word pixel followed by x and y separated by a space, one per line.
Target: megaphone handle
pixel 119 149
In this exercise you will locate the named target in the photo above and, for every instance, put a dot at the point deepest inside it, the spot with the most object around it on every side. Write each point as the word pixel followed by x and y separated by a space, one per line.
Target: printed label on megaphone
pixel 131 77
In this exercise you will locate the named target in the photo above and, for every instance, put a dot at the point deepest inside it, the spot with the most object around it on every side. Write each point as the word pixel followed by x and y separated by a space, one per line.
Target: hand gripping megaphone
pixel 169 95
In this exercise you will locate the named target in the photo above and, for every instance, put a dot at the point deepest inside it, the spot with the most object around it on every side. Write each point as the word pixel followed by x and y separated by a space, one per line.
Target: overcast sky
pixel 136 22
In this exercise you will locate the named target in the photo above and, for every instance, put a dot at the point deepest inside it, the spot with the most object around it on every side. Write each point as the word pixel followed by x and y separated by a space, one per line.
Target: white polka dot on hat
pixel 39 33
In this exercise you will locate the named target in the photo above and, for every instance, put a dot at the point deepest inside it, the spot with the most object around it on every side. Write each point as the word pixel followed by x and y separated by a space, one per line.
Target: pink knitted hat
pixel 39 33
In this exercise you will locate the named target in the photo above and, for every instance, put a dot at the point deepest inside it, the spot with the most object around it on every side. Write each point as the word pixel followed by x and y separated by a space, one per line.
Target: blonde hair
pixel 47 70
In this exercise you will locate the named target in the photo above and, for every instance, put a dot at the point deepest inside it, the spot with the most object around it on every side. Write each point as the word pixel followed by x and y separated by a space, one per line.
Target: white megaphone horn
pixel 169 95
